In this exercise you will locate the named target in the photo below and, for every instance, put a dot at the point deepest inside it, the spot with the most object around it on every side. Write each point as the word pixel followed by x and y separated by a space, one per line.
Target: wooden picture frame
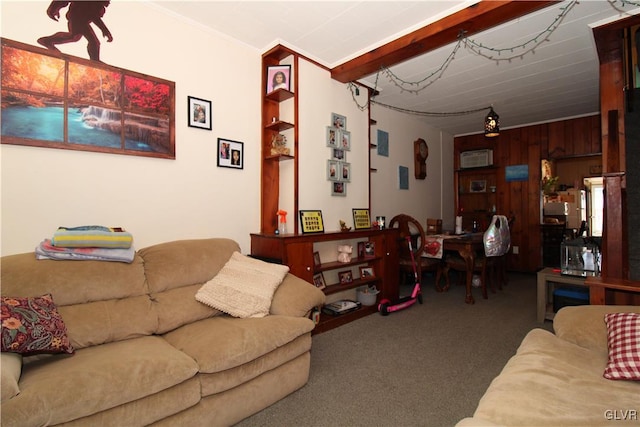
pixel 367 272
pixel 345 277
pixel 361 221
pixel 311 222
pixel 478 186
pixel 275 76
pixel 318 281
pixel 369 249
pixel 199 111
pixel 230 154
pixel 316 259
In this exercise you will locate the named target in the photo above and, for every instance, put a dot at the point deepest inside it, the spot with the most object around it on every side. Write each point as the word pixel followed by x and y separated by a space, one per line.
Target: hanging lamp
pixel 492 124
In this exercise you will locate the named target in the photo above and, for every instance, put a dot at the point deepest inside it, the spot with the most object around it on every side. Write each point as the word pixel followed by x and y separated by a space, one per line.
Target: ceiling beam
pixel 471 20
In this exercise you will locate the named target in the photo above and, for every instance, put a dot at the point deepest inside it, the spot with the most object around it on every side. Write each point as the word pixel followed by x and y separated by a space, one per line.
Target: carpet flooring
pixel 428 365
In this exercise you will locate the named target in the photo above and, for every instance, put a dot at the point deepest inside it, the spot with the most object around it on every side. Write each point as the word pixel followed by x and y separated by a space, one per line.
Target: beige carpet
pixel 428 365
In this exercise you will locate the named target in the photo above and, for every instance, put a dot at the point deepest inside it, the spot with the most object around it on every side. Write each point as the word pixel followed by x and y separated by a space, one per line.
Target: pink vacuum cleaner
pixel 386 306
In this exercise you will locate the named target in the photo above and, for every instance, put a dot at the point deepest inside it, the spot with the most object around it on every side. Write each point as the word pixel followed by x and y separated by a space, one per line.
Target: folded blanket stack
pixel 92 242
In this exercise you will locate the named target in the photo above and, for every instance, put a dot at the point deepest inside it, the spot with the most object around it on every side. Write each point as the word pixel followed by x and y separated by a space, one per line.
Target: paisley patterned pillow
pixel 33 325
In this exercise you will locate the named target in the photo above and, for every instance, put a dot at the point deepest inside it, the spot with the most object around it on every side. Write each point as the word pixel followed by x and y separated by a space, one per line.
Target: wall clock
pixel 421 152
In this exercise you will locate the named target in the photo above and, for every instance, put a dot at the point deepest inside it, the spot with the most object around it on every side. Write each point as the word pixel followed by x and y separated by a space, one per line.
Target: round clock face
pixel 424 150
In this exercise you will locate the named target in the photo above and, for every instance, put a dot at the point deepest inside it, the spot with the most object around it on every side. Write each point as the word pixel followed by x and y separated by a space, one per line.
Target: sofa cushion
pixel 11 365
pixel 244 287
pixel 224 342
pixel 584 325
pixel 623 333
pixel 95 379
pixel 32 325
pixel 546 382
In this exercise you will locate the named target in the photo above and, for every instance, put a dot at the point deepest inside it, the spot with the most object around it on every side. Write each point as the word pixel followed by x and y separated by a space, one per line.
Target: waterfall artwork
pixel 55 101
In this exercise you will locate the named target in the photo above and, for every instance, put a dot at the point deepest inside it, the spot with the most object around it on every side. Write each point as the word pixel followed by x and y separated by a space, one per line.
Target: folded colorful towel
pixel 47 251
pixel 92 236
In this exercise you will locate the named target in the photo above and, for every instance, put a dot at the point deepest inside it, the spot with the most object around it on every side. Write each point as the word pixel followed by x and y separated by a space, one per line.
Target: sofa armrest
pixel 296 297
pixel 584 325
pixel 11 368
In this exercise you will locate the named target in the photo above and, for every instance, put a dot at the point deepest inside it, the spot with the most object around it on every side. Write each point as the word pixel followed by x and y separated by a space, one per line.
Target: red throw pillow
pixel 623 337
pixel 32 325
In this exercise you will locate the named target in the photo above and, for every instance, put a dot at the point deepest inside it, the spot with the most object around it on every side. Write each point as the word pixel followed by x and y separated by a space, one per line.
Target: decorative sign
pixel 517 173
pixel 361 219
pixel 311 222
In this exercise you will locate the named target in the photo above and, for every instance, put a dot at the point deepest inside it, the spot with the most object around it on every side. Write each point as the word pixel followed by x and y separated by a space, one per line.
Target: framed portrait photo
pixel 318 281
pixel 345 140
pixel 367 273
pixel 338 121
pixel 345 171
pixel 230 154
pixel 199 113
pixel 338 154
pixel 339 188
pixel 333 136
pixel 278 77
pixel 333 170
pixel 345 277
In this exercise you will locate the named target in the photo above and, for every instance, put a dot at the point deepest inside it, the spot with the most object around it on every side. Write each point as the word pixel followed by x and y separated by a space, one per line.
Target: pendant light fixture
pixel 492 124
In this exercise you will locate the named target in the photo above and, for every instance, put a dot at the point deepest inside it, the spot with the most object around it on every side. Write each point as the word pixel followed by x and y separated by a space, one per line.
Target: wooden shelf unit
pixel 270 164
pixel 296 251
pixel 476 205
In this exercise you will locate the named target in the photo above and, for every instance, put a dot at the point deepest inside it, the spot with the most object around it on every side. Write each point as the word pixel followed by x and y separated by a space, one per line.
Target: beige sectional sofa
pixel 557 379
pixel 146 351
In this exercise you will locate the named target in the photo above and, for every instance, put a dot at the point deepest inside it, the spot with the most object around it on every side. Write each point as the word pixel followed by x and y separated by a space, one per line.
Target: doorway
pixel 594 187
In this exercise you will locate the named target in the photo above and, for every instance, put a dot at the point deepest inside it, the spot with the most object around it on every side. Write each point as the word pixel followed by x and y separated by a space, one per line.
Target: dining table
pixel 466 245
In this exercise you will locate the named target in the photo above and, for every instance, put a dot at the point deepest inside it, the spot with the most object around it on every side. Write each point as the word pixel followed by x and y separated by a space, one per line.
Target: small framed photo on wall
pixel 345 140
pixel 278 77
pixel 230 154
pixel 338 121
pixel 333 136
pixel 199 113
pixel 339 188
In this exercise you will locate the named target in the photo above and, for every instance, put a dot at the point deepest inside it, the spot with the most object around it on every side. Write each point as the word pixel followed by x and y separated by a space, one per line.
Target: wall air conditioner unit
pixel 476 159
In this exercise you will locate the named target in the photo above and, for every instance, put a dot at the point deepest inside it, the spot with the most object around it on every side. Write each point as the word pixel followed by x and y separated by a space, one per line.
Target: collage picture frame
pixel 230 154
pixel 338 139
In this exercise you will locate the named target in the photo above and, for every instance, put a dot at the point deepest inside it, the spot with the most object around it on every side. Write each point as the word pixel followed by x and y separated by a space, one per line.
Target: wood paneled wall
pixel 529 145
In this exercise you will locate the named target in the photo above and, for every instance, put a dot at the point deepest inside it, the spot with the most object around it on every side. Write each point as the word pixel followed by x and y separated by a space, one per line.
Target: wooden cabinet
pixel 276 105
pixel 297 251
pixel 476 196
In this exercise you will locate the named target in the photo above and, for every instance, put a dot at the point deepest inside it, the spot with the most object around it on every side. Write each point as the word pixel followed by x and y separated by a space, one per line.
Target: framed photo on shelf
pixel 338 121
pixel 333 170
pixel 345 140
pixel 369 249
pixel 333 136
pixel 311 222
pixel 318 281
pixel 478 186
pixel 278 77
pixel 316 259
pixel 361 249
pixel 367 272
pixel 339 188
pixel 199 113
pixel 230 154
pixel 345 277
pixel 361 221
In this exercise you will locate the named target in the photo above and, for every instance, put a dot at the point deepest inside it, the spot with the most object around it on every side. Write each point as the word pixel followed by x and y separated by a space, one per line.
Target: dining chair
pixel 490 263
pixel 409 226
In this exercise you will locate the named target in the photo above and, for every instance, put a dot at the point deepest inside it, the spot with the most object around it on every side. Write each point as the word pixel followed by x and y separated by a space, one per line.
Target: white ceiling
pixel 559 79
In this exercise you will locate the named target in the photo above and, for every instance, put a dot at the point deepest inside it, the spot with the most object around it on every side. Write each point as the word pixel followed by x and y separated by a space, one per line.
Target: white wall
pixel 159 200
pixel 432 197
